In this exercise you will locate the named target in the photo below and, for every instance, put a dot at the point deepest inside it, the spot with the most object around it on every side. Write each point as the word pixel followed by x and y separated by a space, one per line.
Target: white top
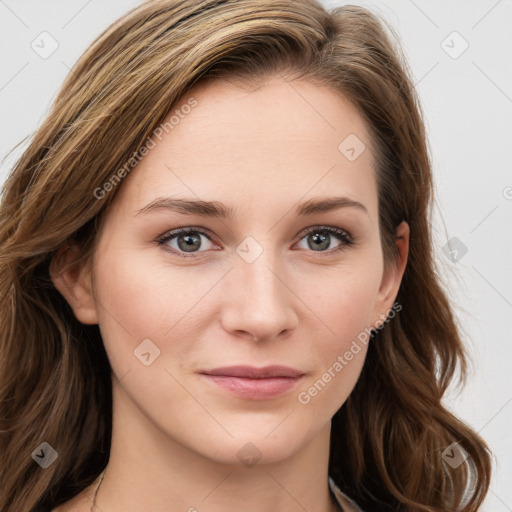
pixel 346 504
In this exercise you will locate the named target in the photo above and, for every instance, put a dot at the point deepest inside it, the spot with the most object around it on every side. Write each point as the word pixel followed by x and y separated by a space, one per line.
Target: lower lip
pixel 254 389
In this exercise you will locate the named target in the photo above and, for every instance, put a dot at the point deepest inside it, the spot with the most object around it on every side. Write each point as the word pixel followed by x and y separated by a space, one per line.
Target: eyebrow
pixel 216 209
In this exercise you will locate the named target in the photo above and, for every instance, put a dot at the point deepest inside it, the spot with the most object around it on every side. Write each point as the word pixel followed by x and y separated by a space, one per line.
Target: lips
pixel 250 372
pixel 253 383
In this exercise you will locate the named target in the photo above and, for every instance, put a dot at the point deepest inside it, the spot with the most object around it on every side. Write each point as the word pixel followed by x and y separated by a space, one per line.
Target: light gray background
pixel 468 105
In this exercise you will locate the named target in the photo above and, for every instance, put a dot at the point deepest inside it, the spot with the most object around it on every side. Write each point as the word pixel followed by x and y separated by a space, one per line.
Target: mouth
pixel 253 383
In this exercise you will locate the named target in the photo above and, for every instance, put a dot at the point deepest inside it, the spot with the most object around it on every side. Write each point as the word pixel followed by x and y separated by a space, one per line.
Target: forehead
pixel 281 141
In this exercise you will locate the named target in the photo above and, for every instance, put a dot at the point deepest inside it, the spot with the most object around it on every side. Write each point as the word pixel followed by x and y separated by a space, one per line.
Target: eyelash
pixel 342 235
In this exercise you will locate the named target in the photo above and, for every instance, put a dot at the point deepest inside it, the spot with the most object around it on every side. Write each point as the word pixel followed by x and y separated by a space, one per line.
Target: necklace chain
pixel 335 509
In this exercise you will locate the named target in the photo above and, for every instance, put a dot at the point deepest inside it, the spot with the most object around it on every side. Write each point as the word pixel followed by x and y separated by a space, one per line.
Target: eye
pixel 182 241
pixel 320 238
pixel 186 241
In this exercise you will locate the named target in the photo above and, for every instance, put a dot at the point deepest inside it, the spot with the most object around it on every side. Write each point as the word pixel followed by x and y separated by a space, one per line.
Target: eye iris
pixel 319 239
pixel 190 242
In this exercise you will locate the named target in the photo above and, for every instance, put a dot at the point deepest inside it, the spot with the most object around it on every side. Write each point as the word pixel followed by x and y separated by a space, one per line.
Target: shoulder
pixel 82 502
pixel 346 504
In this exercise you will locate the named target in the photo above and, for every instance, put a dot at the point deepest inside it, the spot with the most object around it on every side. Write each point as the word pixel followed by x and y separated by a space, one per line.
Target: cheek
pixel 140 300
pixel 143 301
pixel 149 298
pixel 146 296
pixel 347 301
pixel 174 307
pixel 346 311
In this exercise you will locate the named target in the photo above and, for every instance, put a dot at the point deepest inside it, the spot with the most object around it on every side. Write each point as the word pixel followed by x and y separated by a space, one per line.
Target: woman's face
pixel 263 277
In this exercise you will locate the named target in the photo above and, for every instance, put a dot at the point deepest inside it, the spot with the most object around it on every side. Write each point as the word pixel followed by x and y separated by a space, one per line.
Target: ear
pixel 392 277
pixel 73 279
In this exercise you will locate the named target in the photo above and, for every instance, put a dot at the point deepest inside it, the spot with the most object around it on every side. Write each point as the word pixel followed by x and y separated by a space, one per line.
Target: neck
pixel 148 470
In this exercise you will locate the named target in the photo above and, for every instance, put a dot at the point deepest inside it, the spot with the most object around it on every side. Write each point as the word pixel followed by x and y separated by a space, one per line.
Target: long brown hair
pixel 388 438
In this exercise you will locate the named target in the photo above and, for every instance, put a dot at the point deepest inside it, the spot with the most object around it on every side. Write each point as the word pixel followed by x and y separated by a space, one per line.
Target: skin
pixel 176 437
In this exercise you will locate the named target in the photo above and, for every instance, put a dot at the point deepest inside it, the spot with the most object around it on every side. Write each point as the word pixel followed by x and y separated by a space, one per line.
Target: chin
pixel 252 448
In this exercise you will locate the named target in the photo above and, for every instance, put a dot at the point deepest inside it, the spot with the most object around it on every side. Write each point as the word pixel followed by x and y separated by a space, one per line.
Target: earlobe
pixel 72 278
pixel 392 276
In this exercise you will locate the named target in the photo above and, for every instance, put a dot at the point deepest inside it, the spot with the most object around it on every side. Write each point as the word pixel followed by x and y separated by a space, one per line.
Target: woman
pixel 217 276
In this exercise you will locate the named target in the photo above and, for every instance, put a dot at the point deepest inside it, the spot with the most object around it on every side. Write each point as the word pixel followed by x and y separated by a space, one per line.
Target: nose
pixel 258 302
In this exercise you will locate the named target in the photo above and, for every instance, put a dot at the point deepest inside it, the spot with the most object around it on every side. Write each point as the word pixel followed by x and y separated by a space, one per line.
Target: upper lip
pixel 251 372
